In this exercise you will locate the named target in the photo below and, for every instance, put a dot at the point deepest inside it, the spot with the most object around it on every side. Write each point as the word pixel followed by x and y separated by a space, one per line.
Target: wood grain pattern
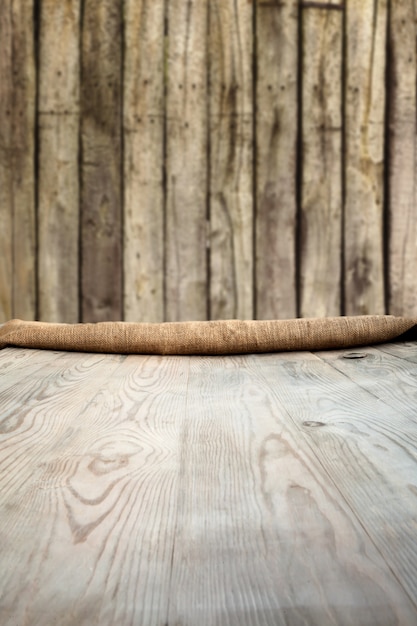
pixel 231 159
pixel 186 201
pixel 144 160
pixel 6 212
pixel 321 185
pixel 256 496
pixel 58 121
pixel 101 491
pixel 276 158
pixel 198 490
pixel 406 350
pixel 402 159
pixel 364 156
pixel 354 434
pixel 101 143
pixel 17 161
pixel 372 371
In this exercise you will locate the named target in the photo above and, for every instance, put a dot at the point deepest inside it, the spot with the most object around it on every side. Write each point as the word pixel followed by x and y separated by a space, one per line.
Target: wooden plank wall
pixel 186 159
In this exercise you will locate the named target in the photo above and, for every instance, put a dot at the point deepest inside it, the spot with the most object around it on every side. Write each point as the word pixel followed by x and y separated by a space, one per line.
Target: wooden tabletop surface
pixel 247 490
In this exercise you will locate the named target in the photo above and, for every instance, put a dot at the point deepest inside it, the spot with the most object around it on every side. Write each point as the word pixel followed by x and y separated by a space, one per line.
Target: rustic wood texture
pixel 58 196
pixel 404 350
pixel 6 163
pixel 187 129
pixel 276 158
pixel 366 25
pixel 17 161
pixel 181 160
pixel 402 260
pixel 354 434
pixel 369 368
pixel 167 490
pixel 231 159
pixel 321 184
pixel 144 160
pixel 101 143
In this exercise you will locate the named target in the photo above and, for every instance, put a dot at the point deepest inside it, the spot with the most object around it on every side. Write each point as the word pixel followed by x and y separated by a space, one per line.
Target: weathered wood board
pixel 186 232
pixel 189 159
pixel 355 433
pixel 101 159
pixel 105 487
pixel 366 25
pixel 231 159
pixel 6 187
pixel 17 161
pixel 144 146
pixel 276 126
pixel 402 168
pixel 256 489
pixel 321 181
pixel 58 185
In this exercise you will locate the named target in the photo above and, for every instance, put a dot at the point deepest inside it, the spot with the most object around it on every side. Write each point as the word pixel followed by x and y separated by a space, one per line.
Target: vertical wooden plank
pixel 276 147
pixel 231 156
pixel 186 204
pixel 17 175
pixel 101 209
pixel 364 157
pixel 143 161
pixel 6 187
pixel 321 187
pixel 58 160
pixel 402 159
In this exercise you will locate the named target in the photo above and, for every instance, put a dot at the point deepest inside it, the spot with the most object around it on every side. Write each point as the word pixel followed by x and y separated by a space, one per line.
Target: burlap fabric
pixel 211 338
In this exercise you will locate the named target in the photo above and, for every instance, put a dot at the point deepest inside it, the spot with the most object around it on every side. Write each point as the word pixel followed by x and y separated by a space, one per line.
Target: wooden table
pixel 247 490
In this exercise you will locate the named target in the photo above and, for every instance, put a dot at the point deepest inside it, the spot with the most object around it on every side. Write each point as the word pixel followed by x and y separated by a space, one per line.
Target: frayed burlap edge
pixel 207 338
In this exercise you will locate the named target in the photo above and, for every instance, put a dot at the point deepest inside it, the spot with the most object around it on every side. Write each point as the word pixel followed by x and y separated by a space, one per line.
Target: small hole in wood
pixel 355 355
pixel 313 424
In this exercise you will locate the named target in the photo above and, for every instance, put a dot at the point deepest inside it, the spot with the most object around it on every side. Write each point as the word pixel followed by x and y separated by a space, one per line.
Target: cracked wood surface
pixel 257 489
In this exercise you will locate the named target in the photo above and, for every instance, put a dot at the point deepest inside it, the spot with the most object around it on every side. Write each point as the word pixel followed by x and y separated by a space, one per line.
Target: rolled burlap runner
pixel 214 337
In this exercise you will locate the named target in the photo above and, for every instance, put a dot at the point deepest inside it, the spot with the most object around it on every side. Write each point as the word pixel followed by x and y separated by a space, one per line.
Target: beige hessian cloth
pixel 215 337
